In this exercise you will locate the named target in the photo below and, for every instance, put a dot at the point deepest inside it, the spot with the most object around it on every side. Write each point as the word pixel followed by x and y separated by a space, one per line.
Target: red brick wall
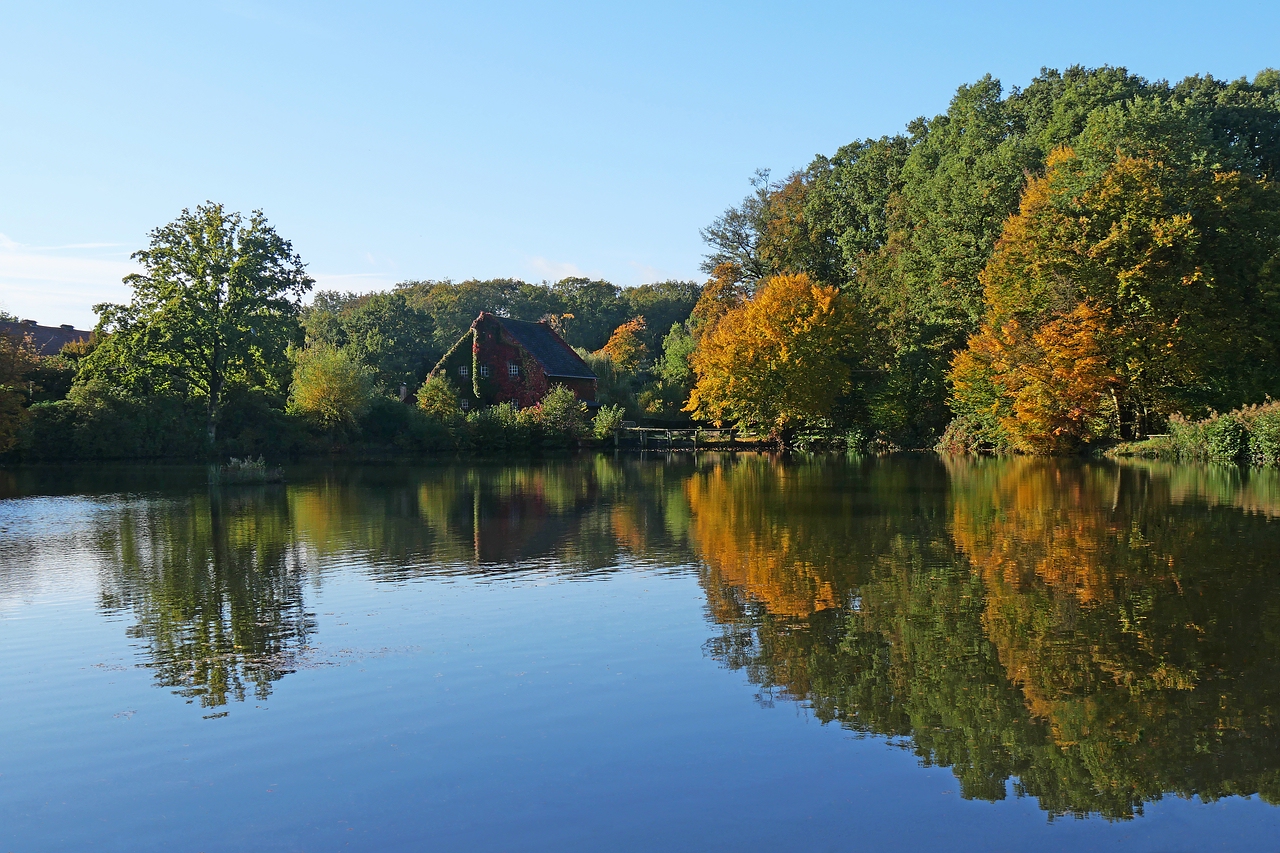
pixel 492 347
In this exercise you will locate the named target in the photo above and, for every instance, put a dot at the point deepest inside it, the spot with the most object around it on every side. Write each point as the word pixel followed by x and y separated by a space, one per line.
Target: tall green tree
pixel 390 335
pixel 215 307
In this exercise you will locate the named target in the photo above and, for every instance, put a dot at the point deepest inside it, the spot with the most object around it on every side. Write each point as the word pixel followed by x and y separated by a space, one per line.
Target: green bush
pixel 438 400
pixel 331 387
pixel 1225 438
pixel 608 419
pixel 1264 433
pixel 254 424
pixel 389 422
pixel 562 417
pixel 97 421
pixel 500 428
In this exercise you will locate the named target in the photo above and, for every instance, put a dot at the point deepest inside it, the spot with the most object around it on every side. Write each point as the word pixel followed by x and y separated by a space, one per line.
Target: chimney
pixel 68 327
pixel 28 322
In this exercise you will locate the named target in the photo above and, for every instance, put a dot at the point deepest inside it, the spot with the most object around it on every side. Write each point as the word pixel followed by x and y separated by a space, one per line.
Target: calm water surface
pixel 660 654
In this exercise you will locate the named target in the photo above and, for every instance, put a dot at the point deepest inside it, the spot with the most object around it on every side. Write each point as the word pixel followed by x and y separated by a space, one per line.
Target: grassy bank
pixel 1249 436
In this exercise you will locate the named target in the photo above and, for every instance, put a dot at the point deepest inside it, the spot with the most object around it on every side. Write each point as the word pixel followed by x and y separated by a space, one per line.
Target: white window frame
pixel 513 370
pixel 464 370
pixel 484 371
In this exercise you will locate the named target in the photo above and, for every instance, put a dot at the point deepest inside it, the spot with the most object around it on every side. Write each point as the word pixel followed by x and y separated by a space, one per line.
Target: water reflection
pixel 214 584
pixel 214 579
pixel 1094 635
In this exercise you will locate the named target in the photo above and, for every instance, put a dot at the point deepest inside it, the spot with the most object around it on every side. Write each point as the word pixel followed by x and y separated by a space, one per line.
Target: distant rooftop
pixel 49 340
pixel 542 342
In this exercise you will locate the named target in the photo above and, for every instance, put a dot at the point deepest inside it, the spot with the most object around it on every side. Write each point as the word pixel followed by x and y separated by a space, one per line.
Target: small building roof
pixel 49 340
pixel 542 342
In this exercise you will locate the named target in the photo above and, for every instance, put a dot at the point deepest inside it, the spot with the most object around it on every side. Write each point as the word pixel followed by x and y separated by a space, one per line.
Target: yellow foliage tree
pixel 1047 389
pixel 1121 293
pixel 777 360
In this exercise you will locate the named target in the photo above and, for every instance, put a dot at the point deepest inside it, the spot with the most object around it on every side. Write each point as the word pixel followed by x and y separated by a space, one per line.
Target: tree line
pixel 216 352
pixel 1038 270
pixel 1089 259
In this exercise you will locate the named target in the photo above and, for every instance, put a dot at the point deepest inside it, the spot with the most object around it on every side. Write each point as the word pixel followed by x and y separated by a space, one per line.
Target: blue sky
pixel 394 141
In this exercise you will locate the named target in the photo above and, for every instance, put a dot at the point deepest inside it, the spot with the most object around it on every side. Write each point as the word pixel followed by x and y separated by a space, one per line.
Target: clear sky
pixel 394 141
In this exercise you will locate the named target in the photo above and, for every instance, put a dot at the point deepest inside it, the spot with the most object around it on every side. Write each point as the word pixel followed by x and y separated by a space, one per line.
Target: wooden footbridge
pixel 672 438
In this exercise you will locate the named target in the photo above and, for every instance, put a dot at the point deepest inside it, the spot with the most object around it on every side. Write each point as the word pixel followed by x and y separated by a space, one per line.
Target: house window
pixel 464 371
pixel 484 371
pixel 466 404
pixel 513 369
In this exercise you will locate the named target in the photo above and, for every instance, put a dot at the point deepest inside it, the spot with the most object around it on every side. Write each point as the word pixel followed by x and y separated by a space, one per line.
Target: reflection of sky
pixel 45 552
pixel 466 712
pixel 465 715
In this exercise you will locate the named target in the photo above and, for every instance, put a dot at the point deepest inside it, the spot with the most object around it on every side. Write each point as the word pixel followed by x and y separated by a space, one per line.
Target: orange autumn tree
pixel 778 360
pixel 1046 390
pixel 626 346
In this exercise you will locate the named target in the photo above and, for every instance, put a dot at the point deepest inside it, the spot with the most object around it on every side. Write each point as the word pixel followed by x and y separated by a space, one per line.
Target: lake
pixel 659 653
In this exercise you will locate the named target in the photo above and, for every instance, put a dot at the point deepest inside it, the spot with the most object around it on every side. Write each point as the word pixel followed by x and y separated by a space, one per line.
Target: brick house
pixel 500 360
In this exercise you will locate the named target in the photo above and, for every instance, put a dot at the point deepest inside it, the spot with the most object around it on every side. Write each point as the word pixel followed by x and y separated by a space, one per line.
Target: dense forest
pixel 1050 269
pixel 1037 270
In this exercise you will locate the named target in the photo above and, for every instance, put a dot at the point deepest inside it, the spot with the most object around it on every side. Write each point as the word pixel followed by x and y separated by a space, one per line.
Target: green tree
pixel 661 304
pixel 17 358
pixel 216 307
pixel 383 330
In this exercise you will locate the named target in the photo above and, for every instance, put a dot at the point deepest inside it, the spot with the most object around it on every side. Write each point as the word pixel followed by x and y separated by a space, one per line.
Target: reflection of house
pixel 501 360
pixel 48 340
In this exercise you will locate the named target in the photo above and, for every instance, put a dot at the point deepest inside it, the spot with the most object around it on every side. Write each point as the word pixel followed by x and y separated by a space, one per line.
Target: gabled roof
pixel 541 341
pixel 48 340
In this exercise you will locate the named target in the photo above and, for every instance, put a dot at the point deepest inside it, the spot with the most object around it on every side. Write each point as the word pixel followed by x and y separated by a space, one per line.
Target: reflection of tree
pixel 216 589
pixel 1067 627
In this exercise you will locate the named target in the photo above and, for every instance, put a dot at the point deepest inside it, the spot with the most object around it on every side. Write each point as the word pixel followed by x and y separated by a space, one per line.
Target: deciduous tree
pixel 777 361
pixel 216 305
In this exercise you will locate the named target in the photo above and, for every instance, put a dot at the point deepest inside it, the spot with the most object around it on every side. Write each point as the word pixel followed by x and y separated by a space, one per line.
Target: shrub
pixel 608 419
pixel 1225 438
pixel 331 388
pixel 562 417
pixel 500 428
pixel 390 422
pixel 1264 438
pixel 438 400
pixel 99 421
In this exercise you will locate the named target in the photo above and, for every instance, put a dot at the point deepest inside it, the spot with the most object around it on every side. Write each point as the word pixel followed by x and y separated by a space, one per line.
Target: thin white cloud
pixel 361 282
pixel 555 270
pixel 60 284
pixel 647 274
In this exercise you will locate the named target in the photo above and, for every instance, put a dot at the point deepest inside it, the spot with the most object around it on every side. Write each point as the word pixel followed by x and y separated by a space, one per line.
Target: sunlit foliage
pixel 215 309
pixel 626 347
pixel 778 360
pixel 331 387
